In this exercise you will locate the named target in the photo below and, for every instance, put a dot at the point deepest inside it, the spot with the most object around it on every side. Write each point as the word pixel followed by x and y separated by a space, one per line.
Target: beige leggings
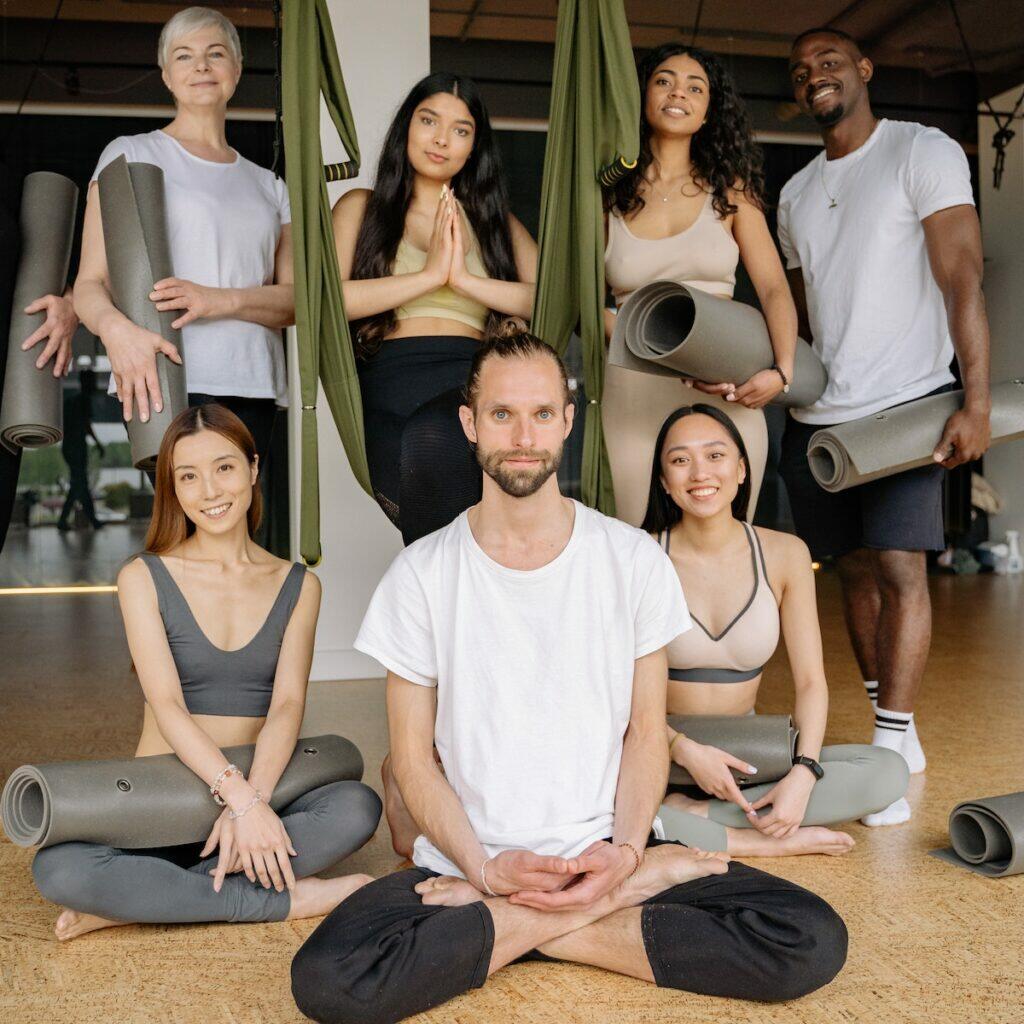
pixel 633 409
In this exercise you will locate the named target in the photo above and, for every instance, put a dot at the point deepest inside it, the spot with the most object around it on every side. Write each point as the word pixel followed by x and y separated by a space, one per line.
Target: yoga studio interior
pixel 933 904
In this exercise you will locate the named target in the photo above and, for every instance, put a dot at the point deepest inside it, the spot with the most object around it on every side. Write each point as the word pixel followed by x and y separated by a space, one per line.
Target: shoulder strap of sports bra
pixel 665 540
pixel 287 598
pixel 763 570
pixel 174 608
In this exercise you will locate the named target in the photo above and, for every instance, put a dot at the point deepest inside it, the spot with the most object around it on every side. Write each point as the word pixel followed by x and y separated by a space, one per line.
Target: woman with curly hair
pixel 690 210
pixel 430 259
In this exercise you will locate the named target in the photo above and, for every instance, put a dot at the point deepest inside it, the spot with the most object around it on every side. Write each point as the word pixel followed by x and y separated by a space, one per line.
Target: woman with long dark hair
pixel 689 211
pixel 221 635
pixel 743 586
pixel 429 259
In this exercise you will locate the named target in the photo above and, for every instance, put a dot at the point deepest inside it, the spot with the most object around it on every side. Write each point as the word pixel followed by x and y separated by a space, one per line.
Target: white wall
pixel 1002 226
pixel 384 48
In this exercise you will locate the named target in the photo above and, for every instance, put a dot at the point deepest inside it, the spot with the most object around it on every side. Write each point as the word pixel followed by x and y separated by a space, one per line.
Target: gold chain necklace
pixel 682 190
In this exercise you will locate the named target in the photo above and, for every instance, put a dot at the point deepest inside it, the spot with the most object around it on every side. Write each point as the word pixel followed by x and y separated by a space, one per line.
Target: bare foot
pixel 448 891
pixel 748 842
pixel 71 924
pixel 403 829
pixel 314 897
pixel 684 803
pixel 669 865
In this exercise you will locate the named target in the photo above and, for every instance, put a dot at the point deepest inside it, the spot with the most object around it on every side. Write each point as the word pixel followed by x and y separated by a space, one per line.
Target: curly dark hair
pixel 724 154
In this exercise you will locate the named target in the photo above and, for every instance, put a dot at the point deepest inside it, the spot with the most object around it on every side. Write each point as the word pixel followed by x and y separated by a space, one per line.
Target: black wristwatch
pixel 808 762
pixel 785 379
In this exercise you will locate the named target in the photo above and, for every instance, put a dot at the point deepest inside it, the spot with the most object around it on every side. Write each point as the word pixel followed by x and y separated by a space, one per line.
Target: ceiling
pixel 918 34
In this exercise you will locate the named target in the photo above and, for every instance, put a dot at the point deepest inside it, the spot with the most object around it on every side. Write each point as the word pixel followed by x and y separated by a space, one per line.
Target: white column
pixel 1002 228
pixel 384 48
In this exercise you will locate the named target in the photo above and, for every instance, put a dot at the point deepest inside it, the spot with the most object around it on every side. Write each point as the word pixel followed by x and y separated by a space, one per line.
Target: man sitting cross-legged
pixel 526 640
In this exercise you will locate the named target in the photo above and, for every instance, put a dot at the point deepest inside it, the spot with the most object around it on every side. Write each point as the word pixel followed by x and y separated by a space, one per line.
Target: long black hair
pixel 480 187
pixel 662 512
pixel 723 152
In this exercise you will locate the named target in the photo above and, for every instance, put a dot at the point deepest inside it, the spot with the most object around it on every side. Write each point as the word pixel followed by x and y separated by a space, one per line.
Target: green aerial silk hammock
pixel 593 137
pixel 309 66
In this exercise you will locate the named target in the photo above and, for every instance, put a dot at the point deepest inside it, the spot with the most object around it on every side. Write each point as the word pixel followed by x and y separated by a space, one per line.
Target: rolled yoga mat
pixel 149 801
pixel 31 408
pixel 669 329
pixel 987 836
pixel 138 255
pixel 903 438
pixel 768 742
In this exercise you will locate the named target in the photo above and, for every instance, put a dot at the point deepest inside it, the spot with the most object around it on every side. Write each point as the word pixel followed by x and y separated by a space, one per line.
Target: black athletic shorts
pixel 896 513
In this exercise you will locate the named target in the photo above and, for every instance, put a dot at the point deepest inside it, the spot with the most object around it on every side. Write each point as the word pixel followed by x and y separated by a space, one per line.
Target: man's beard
pixel 519 483
pixel 827 118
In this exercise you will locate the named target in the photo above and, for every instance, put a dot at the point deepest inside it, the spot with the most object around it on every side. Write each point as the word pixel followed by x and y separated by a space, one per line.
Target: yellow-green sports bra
pixel 443 302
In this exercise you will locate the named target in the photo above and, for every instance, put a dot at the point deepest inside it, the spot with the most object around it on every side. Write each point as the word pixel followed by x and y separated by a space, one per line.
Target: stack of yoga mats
pixel 670 329
pixel 138 255
pixel 987 836
pixel 768 742
pixel 31 408
pixel 149 801
pixel 904 437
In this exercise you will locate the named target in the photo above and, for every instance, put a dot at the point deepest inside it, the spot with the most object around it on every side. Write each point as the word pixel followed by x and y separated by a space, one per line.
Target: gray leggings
pixel 859 779
pixel 172 885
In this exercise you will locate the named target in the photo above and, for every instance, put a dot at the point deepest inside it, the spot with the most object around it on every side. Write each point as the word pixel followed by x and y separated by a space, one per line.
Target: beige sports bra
pixel 740 651
pixel 703 256
pixel 443 302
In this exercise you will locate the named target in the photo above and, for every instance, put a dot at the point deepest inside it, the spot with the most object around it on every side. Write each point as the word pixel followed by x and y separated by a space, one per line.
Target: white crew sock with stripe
pixel 890 732
pixel 912 751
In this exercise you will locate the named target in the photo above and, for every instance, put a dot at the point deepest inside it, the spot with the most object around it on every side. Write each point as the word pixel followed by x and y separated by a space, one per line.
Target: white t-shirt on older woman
pixel 876 313
pixel 533 671
pixel 224 222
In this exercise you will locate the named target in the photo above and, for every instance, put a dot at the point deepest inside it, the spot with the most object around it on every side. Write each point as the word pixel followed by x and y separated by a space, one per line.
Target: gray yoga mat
pixel 31 408
pixel 903 438
pixel 669 329
pixel 149 801
pixel 768 742
pixel 138 255
pixel 987 836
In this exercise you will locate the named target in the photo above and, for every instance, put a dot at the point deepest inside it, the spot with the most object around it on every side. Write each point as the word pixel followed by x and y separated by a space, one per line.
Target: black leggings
pixel 384 955
pixel 422 468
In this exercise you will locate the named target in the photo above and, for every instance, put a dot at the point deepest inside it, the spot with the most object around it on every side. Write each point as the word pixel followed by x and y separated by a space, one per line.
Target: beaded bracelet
pixel 233 815
pixel 483 877
pixel 232 769
pixel 636 857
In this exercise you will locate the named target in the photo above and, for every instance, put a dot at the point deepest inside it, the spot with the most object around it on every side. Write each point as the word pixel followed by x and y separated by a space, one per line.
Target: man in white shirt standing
pixel 526 640
pixel 883 252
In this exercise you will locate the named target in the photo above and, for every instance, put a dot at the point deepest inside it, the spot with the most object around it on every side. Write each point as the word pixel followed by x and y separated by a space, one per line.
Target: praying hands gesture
pixel 446 256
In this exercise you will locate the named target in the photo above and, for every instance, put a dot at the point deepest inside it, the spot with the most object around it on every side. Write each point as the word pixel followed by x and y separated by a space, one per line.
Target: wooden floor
pixel 928 942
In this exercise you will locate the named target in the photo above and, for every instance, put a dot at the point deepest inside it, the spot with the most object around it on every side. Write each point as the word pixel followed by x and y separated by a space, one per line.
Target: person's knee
pixel 856 569
pixel 60 873
pixel 321 993
pixel 887 777
pixel 361 811
pixel 901 575
pixel 817 955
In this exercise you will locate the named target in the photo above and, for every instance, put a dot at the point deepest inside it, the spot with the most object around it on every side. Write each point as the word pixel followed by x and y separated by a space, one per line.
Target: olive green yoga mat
pixel 138 255
pixel 903 437
pixel 768 742
pixel 987 836
pixel 670 329
pixel 31 408
pixel 149 801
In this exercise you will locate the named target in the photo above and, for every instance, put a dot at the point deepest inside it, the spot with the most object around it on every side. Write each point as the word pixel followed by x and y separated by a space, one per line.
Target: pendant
pixel 664 199
pixel 832 205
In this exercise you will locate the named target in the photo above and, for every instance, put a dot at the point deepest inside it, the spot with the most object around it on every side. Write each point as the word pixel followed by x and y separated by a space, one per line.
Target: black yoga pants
pixel 383 955
pixel 423 471
pixel 258 414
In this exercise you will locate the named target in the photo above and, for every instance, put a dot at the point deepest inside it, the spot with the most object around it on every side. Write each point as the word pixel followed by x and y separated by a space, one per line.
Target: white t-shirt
pixel 534 673
pixel 224 222
pixel 876 313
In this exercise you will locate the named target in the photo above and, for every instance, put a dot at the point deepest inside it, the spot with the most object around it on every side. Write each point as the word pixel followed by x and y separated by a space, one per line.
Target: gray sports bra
pixel 214 681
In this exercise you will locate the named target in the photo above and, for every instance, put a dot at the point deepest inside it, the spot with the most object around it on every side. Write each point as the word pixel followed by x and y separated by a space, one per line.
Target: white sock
pixel 912 751
pixel 895 814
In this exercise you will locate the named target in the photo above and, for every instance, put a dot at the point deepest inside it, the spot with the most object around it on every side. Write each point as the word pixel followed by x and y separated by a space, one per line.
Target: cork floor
pixel 928 942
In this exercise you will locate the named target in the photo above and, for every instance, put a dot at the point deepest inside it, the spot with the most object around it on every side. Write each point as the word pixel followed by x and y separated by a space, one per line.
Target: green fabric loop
pixel 310 68
pixel 593 124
